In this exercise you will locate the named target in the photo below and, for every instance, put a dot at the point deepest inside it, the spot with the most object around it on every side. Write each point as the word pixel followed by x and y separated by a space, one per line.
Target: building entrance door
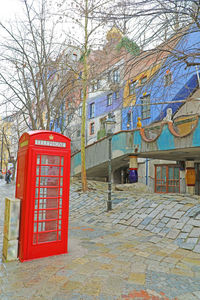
pixel 167 179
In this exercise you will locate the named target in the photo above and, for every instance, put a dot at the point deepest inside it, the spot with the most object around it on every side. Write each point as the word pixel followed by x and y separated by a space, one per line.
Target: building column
pixel 190 177
pixel 133 169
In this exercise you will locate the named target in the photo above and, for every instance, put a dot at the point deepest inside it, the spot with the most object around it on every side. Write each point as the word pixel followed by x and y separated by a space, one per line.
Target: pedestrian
pixel 8 176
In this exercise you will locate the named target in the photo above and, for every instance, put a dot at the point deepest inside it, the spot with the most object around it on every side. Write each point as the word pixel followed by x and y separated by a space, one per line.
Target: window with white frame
pixel 91 128
pixel 81 94
pixel 70 118
pixel 116 76
pixel 74 57
pixel 91 110
pixel 109 76
pixel 80 111
pixel 109 99
pixel 78 134
pixel 128 120
pixel 132 87
pixel 143 80
pixel 146 107
pixel 98 84
pixel 95 86
pixel 116 95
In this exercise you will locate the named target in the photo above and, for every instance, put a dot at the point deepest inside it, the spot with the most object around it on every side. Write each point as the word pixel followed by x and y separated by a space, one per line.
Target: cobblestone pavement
pixel 147 247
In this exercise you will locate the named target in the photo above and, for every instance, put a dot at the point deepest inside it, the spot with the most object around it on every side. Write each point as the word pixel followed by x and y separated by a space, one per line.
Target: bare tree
pixel 158 21
pixel 86 34
pixel 34 64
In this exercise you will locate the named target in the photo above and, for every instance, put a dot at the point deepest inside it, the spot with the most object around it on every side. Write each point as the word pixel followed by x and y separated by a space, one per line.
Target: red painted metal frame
pixel 165 183
pixel 44 217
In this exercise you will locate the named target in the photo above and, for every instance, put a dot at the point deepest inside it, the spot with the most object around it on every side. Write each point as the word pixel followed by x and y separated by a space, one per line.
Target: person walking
pixel 8 176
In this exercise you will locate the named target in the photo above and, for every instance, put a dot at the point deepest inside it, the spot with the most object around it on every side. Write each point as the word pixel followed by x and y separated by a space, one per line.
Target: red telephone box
pixel 43 180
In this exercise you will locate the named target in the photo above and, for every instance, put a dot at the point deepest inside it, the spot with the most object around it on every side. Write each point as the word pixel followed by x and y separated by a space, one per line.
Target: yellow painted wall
pixel 129 100
pixel 185 124
pixel 4 156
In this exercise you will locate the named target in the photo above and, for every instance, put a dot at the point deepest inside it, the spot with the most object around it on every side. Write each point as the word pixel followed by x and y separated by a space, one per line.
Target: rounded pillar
pixel 133 169
pixel 190 177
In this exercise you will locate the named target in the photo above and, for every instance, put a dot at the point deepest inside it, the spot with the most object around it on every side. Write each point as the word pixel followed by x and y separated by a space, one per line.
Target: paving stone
pixel 195 232
pixel 169 214
pixel 136 222
pixel 171 223
pixel 149 227
pixel 187 246
pixel 149 210
pixel 146 221
pixel 165 220
pixel 178 215
pixel 194 223
pixel 173 233
pixel 192 240
pixel 183 235
pixel 156 230
pixel 197 248
pixel 197 294
pixel 155 221
pixel 179 225
pixel 184 219
pixel 187 228
pixel 131 220
pixel 141 226
pixel 154 205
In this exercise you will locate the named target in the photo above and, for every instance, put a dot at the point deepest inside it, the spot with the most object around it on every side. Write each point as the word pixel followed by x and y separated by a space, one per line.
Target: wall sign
pixel 50 143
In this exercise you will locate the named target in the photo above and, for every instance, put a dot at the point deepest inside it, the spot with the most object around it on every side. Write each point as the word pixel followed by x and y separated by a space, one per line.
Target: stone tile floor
pixel 147 247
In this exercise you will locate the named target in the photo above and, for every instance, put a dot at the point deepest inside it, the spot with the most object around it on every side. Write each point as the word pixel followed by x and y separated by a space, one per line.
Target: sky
pixel 9 8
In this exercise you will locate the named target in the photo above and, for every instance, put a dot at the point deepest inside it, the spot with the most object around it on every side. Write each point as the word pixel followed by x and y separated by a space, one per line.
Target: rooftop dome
pixel 114 34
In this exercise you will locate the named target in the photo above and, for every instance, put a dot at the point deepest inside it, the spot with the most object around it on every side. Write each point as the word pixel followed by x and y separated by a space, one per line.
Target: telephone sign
pixel 43 179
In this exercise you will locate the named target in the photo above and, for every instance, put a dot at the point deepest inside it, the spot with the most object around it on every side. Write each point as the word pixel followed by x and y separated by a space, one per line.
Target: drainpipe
pixel 147 170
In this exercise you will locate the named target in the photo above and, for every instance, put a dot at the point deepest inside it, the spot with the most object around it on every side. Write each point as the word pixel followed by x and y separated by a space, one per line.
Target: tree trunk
pixel 85 77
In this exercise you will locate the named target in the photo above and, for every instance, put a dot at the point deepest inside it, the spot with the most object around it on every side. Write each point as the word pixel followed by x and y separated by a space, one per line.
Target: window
pixel 92 110
pixel 146 109
pixel 80 75
pixel 116 76
pixel 80 111
pixel 128 120
pixel 109 99
pixel 81 94
pixel 143 80
pixel 91 128
pixel 70 118
pixel 95 86
pixel 109 76
pixel 116 95
pixel 129 117
pixel 132 88
pixel 78 134
pixel 74 57
pixel 168 78
pixel 167 179
pixel 98 84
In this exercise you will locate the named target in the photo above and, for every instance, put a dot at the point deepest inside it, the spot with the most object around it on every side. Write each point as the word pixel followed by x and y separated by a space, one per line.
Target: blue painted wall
pixel 184 83
pixel 100 107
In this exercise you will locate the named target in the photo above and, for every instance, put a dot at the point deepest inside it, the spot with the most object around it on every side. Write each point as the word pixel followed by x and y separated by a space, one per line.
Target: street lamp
pixel 109 126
